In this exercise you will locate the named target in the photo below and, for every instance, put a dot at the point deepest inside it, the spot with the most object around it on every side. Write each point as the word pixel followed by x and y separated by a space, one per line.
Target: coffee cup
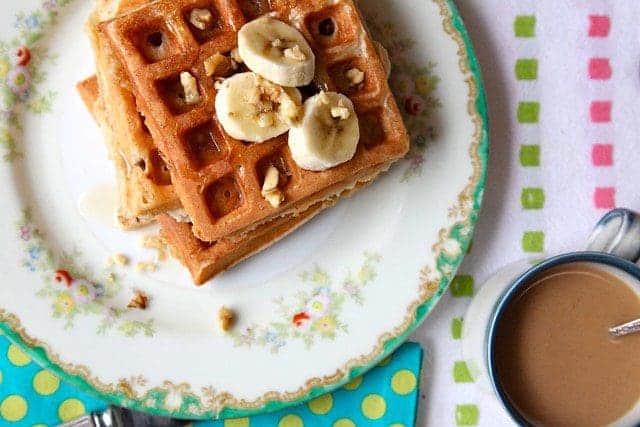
pixel 536 335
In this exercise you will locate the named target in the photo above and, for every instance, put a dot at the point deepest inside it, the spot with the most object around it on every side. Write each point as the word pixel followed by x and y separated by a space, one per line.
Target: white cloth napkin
pixel 588 58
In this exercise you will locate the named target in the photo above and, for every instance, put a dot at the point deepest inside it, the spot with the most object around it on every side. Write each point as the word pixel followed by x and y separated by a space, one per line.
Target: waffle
pixel 219 179
pixel 89 91
pixel 144 183
pixel 205 260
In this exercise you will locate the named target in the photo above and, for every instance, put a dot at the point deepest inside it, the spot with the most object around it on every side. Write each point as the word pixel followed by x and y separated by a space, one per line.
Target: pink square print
pixel 599 69
pixel 600 111
pixel 599 25
pixel 602 155
pixel 604 197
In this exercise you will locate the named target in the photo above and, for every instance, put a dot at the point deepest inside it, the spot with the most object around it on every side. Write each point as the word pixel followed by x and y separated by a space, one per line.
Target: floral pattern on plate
pixel 71 291
pixel 21 59
pixel 313 313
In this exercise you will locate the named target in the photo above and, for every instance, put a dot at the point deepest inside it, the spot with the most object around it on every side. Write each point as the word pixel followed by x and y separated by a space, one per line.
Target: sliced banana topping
pixel 235 55
pixel 251 108
pixel 328 133
pixel 276 51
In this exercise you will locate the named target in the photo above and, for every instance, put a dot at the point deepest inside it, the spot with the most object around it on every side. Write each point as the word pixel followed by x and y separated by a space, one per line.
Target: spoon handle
pixel 625 328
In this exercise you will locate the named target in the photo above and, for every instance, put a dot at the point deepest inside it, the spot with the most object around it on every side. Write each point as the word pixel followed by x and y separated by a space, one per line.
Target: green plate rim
pixel 38 354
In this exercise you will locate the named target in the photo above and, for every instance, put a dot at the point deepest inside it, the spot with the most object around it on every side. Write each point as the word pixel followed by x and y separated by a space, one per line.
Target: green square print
pixel 462 286
pixel 530 155
pixel 467 415
pixel 461 373
pixel 525 26
pixel 456 328
pixel 527 69
pixel 533 241
pixel 532 198
pixel 528 112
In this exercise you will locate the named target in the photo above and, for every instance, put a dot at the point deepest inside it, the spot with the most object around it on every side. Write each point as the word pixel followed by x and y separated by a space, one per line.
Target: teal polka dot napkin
pixel 385 396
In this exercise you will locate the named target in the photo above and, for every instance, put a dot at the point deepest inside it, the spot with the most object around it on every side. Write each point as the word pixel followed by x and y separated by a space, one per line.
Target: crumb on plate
pixel 226 318
pixel 139 300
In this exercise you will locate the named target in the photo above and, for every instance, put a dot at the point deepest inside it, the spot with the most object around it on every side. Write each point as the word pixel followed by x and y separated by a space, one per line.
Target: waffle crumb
pixel 118 259
pixel 226 318
pixel 355 76
pixel 201 18
pixel 142 267
pixel 219 65
pixel 295 53
pixel 157 243
pixel 190 86
pixel 270 190
pixel 139 300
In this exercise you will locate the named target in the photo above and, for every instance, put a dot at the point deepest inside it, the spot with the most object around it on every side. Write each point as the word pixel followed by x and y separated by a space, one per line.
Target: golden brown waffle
pixel 144 183
pixel 205 260
pixel 89 91
pixel 217 178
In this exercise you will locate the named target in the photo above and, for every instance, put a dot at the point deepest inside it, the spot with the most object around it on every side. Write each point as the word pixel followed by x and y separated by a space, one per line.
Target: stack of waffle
pixel 170 153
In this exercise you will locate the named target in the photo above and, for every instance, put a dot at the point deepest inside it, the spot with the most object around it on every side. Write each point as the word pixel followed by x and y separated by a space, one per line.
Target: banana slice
pixel 328 133
pixel 253 109
pixel 276 51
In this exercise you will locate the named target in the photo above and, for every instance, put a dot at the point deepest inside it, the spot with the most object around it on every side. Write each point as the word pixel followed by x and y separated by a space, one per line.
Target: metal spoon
pixel 625 328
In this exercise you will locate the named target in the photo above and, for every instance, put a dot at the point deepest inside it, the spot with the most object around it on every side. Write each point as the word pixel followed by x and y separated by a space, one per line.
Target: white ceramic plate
pixel 315 310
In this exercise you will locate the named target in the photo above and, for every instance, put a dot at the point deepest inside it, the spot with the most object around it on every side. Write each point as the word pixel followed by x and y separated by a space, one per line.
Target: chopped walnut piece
pixel 219 65
pixel 226 318
pixel 274 197
pixel 190 86
pixel 271 178
pixel 340 112
pixel 201 18
pixel 139 300
pixel 295 53
pixel 270 190
pixel 355 76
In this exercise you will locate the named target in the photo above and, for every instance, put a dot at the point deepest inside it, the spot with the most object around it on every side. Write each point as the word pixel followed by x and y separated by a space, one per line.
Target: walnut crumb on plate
pixel 226 318
pixel 139 300
pixel 142 266
pixel 118 259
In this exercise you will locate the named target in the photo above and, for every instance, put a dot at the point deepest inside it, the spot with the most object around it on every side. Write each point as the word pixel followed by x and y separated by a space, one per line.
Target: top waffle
pixel 218 178
pixel 144 184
